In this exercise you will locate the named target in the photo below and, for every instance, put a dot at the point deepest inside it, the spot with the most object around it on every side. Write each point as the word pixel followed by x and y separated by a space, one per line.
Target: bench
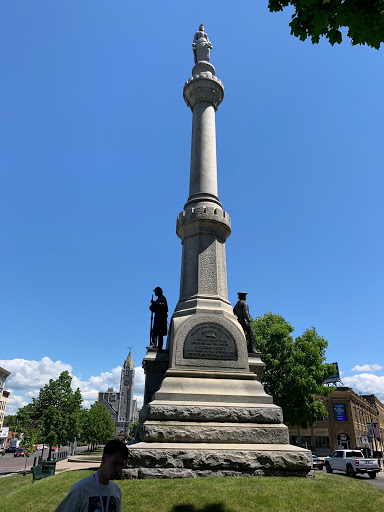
pixel 37 473
pixel 48 467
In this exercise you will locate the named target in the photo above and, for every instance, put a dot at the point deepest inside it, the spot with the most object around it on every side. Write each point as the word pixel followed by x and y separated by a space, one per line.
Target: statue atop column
pixel 201 45
pixel 159 327
pixel 241 310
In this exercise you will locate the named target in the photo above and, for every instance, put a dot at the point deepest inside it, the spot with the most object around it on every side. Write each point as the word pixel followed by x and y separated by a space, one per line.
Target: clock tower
pixel 125 410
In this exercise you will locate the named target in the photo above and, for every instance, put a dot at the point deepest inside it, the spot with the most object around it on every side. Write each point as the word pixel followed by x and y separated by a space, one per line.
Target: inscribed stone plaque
pixel 210 341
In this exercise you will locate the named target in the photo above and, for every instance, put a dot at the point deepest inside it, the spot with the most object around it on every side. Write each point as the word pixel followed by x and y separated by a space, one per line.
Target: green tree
pixel 28 430
pixel 364 19
pixel 10 421
pixel 58 410
pixel 83 424
pixel 99 426
pixel 295 370
pixel 131 433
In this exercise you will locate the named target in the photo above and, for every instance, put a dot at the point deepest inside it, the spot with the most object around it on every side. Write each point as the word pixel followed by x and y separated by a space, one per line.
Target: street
pixel 377 482
pixel 11 464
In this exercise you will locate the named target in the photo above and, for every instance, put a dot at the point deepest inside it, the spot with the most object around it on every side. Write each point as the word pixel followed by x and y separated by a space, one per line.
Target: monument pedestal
pixel 182 460
pixel 210 416
pixel 214 423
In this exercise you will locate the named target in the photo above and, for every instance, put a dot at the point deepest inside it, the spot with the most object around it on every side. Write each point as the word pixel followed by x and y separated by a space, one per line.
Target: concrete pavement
pixel 377 482
pixel 12 466
pixel 74 463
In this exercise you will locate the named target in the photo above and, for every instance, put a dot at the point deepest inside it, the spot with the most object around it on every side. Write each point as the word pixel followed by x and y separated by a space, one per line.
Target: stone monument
pixel 206 412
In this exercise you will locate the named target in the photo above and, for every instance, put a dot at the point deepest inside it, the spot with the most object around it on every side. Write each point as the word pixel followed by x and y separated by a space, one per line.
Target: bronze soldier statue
pixel 159 328
pixel 241 310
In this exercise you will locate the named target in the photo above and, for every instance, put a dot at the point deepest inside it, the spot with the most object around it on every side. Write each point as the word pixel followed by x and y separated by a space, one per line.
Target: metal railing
pixel 54 456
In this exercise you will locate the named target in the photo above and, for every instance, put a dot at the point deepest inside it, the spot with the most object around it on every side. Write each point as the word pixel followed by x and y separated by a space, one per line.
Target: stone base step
pixel 169 473
pixel 211 411
pixel 212 432
pixel 185 386
pixel 187 460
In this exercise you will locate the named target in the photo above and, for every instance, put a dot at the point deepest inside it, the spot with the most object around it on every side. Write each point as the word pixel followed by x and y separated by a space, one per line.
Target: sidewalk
pixel 78 462
pixel 70 464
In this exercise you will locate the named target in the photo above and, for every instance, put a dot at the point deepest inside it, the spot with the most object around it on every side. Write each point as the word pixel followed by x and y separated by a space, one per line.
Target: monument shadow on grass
pixel 213 507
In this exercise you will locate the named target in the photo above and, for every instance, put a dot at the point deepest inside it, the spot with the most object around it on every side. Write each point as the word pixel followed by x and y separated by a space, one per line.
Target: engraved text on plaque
pixel 210 341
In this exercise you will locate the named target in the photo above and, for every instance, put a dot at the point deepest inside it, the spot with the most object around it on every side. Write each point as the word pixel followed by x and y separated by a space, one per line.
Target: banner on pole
pixel 376 430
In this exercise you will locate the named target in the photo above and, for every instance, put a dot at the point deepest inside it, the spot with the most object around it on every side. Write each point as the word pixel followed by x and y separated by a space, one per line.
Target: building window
pixel 322 442
pixel 306 442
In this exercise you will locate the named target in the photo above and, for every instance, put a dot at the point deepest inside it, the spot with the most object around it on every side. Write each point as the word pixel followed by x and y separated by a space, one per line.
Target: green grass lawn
pixel 324 493
pixel 98 452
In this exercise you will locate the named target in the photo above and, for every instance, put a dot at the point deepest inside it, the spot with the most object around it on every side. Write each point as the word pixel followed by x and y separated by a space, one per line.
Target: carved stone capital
pixel 203 220
pixel 203 87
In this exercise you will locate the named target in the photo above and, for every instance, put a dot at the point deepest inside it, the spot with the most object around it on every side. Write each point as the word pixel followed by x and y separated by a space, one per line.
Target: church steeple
pixel 129 363
pixel 125 415
pixel 122 406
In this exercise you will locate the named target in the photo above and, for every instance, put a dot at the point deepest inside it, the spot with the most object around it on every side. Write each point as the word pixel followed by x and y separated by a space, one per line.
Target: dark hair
pixel 115 446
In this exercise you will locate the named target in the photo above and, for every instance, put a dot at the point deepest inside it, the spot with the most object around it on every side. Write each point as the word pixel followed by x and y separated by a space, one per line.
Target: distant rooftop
pixel 4 372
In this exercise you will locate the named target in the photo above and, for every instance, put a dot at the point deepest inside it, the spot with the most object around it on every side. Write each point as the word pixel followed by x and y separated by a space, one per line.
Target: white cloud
pixel 366 384
pixel 367 368
pixel 27 377
pixel 14 403
pixel 32 394
pixel 140 400
pixel 91 387
pixel 139 381
pixel 138 390
pixel 32 374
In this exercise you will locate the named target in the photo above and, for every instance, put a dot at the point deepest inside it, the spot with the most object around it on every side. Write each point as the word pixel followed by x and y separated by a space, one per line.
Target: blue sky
pixel 94 166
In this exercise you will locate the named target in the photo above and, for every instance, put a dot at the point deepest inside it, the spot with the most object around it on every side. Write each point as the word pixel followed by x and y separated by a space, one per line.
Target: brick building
pixel 346 426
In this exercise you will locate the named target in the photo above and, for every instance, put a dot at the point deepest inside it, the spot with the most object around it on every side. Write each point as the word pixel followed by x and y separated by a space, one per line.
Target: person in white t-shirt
pixel 97 492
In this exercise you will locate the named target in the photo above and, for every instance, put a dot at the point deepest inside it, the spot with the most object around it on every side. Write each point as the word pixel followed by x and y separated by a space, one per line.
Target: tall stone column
pixel 203 93
pixel 211 415
pixel 203 226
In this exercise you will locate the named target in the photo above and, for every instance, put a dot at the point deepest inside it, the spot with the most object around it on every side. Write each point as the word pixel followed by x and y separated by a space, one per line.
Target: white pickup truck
pixel 351 462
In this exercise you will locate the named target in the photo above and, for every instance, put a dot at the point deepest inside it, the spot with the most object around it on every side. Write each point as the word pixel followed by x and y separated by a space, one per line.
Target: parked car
pixel 351 462
pixel 317 463
pixel 20 452
pixel 2 452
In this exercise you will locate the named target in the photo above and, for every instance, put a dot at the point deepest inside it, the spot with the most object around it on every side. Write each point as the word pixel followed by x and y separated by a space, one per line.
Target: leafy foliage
pixel 315 18
pixel 10 421
pixel 295 370
pixel 58 410
pixel 131 433
pixel 98 425
pixel 28 430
